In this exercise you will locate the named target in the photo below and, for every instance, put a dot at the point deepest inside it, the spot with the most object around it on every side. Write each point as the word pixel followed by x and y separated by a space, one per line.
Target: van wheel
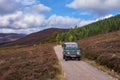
pixel 78 58
pixel 66 59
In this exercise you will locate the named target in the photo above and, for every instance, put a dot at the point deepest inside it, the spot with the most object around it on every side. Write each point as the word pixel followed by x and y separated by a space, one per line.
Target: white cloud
pixel 27 2
pixel 62 21
pixel 20 20
pixel 24 16
pixel 4 30
pixel 8 6
pixel 38 8
pixel 41 8
pixel 11 6
pixel 85 22
pixel 28 23
pixel 6 20
pixel 98 6
pixel 26 31
pixel 104 17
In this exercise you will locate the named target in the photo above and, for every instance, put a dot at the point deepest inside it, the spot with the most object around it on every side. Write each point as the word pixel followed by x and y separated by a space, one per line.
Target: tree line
pixel 99 27
pixel 76 33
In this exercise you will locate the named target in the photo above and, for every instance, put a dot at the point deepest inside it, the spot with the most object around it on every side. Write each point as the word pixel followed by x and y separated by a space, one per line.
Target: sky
pixel 28 16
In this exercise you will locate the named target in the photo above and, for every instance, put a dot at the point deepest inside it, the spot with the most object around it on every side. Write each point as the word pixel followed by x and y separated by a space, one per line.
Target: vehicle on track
pixel 71 50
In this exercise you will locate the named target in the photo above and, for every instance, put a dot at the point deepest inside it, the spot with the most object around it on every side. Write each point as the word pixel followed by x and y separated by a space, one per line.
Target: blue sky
pixel 27 16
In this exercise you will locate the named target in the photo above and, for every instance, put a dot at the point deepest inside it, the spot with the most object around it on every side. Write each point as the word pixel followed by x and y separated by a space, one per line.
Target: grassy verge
pixel 103 68
pixel 37 62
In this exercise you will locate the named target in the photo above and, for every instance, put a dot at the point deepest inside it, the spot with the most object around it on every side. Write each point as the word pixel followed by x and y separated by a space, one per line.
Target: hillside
pixel 104 49
pixel 99 27
pixel 29 63
pixel 7 37
pixel 36 38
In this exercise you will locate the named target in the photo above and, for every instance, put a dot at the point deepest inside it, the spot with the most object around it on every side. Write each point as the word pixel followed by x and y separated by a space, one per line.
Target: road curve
pixel 80 70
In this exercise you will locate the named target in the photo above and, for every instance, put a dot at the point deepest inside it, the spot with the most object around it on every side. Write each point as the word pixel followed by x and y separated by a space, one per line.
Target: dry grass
pixel 37 62
pixel 103 49
pixel 103 68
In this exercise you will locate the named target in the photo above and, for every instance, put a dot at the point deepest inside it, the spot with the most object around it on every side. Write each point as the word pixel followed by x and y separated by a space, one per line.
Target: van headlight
pixel 78 53
pixel 68 52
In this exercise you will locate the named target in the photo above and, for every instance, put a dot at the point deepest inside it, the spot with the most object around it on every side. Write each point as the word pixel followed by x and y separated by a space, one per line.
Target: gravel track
pixel 80 70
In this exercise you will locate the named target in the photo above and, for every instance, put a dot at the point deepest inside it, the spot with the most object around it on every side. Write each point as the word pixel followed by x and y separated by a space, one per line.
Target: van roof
pixel 70 43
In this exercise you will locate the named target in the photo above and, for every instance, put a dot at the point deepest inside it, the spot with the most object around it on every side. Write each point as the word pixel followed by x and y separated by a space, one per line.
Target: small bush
pixel 110 60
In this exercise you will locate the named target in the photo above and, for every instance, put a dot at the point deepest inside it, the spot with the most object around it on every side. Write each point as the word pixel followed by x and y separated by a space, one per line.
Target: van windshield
pixel 71 46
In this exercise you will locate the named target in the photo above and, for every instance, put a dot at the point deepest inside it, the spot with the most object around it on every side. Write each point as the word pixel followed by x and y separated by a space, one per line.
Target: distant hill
pixel 36 38
pixel 8 37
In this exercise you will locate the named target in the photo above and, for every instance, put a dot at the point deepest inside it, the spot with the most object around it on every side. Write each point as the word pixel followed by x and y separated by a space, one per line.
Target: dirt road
pixel 80 70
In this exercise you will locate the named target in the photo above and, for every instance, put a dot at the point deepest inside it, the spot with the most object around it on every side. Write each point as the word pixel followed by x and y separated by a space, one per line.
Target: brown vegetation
pixel 36 38
pixel 37 62
pixel 104 49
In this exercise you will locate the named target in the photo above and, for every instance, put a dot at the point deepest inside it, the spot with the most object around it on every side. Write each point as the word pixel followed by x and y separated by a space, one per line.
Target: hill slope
pixel 36 38
pixel 99 27
pixel 104 49
pixel 7 37
pixel 29 63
